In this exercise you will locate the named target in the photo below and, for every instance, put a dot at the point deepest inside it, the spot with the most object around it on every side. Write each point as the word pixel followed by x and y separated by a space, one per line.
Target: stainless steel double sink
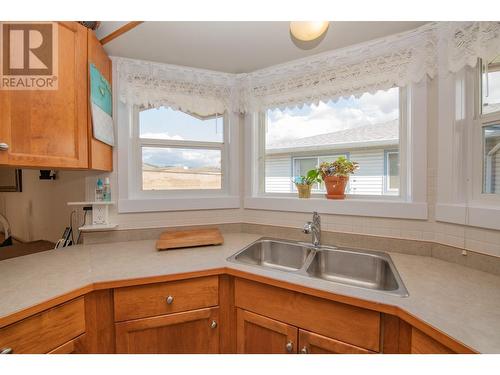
pixel 360 268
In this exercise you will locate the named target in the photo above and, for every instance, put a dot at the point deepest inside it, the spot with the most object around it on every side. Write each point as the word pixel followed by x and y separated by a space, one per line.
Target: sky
pixel 329 117
pixel 165 123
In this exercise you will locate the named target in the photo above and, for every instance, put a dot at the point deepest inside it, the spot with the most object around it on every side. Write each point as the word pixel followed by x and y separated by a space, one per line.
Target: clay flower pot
pixel 335 186
pixel 304 190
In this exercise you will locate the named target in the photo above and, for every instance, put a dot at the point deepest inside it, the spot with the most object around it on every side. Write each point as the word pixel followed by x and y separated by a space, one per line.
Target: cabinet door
pixel 74 346
pixel 48 128
pixel 191 332
pixel 423 344
pixel 312 343
pixel 100 154
pixel 256 334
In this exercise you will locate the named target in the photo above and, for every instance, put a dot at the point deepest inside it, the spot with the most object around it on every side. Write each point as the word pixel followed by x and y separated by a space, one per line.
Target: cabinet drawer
pixel 165 298
pixel 350 324
pixel 47 330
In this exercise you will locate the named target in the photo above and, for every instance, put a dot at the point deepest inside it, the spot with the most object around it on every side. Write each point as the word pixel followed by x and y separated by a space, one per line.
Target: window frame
pixel 387 188
pixel 317 157
pixel 137 177
pixel 129 166
pixel 412 205
pixel 403 146
pixel 479 121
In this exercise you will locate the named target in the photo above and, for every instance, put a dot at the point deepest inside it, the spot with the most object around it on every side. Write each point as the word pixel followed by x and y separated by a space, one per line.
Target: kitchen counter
pixel 462 302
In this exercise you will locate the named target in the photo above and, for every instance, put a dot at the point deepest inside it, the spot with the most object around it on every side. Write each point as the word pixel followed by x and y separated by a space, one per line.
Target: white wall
pixel 40 210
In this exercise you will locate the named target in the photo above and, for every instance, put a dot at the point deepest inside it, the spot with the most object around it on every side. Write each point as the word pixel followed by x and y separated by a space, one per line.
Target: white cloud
pixel 161 135
pixel 333 116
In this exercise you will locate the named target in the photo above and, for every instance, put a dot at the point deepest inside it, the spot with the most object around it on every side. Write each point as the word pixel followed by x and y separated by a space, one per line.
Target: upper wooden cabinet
pixel 52 128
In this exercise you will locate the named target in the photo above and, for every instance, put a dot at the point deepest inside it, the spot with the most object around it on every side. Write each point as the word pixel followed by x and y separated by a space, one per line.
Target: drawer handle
pixel 213 325
pixel 6 351
pixel 4 146
pixel 304 350
pixel 170 300
pixel 289 346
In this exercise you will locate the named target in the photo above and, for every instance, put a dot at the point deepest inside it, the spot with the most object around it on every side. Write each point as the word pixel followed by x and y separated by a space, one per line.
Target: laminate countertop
pixel 461 302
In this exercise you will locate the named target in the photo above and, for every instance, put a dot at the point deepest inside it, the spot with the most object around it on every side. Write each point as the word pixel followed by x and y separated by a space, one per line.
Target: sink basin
pixel 283 255
pixel 366 269
pixel 358 268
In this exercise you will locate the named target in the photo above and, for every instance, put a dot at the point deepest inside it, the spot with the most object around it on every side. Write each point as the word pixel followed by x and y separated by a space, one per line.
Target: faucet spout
pixel 314 227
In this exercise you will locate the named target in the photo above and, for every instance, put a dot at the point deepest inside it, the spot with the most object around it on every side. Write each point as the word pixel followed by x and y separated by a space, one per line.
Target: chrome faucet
pixel 314 227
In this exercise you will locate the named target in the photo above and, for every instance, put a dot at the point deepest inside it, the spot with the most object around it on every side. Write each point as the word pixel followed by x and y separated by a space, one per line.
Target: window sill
pixel 177 204
pixel 354 207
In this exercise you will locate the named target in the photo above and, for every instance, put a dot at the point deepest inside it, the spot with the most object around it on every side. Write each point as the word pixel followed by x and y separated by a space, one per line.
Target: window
pixel 490 87
pixel 361 129
pixel 180 151
pixel 489 121
pixel 302 165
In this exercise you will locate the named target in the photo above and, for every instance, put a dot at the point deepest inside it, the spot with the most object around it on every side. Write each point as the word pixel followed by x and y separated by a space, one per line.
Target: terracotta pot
pixel 335 186
pixel 304 190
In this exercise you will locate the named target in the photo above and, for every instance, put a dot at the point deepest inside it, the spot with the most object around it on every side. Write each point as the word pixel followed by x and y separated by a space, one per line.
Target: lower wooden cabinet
pixel 190 332
pixel 75 346
pixel 256 334
pixel 46 331
pixel 312 343
pixel 423 344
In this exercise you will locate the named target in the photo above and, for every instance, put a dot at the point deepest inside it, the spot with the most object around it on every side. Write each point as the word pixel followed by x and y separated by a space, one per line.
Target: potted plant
pixel 335 175
pixel 304 183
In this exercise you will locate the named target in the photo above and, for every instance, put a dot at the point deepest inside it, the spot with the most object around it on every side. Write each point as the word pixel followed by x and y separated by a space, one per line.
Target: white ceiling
pixel 234 47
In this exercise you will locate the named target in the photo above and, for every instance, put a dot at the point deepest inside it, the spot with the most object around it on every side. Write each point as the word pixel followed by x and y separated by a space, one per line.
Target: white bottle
pixel 99 191
pixel 107 190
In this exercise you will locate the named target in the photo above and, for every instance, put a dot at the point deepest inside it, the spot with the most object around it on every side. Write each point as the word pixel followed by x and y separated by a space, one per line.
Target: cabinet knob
pixel 4 146
pixel 213 325
pixel 170 300
pixel 304 350
pixel 289 346
pixel 6 351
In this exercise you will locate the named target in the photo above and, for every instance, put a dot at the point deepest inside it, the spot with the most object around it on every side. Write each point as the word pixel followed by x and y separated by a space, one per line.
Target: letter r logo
pixel 27 49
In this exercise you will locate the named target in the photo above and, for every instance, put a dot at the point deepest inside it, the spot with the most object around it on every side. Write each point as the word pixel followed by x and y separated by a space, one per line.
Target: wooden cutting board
pixel 189 238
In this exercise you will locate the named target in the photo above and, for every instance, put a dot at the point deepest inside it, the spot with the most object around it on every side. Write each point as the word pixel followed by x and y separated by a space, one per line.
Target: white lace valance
pixel 199 91
pixel 397 60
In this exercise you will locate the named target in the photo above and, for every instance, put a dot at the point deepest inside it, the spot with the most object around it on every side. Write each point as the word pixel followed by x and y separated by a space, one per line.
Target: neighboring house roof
pixel 384 134
pixel 493 107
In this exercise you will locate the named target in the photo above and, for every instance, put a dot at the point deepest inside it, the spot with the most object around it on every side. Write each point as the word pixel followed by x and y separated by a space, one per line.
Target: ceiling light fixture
pixel 308 30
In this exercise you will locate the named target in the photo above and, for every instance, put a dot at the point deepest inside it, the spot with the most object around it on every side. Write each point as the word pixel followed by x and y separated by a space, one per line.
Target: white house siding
pixel 496 173
pixel 278 174
pixel 369 179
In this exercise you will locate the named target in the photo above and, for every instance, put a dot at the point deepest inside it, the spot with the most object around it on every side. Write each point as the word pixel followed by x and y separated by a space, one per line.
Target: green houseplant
pixel 335 175
pixel 304 183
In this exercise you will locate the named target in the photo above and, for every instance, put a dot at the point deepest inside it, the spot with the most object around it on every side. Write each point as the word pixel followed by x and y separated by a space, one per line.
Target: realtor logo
pixel 28 58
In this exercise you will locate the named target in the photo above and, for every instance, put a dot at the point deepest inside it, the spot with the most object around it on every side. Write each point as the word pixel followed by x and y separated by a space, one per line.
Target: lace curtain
pixel 198 91
pixel 380 64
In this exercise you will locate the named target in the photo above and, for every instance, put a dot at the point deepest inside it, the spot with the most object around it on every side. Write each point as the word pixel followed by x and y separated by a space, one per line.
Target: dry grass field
pixel 178 179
